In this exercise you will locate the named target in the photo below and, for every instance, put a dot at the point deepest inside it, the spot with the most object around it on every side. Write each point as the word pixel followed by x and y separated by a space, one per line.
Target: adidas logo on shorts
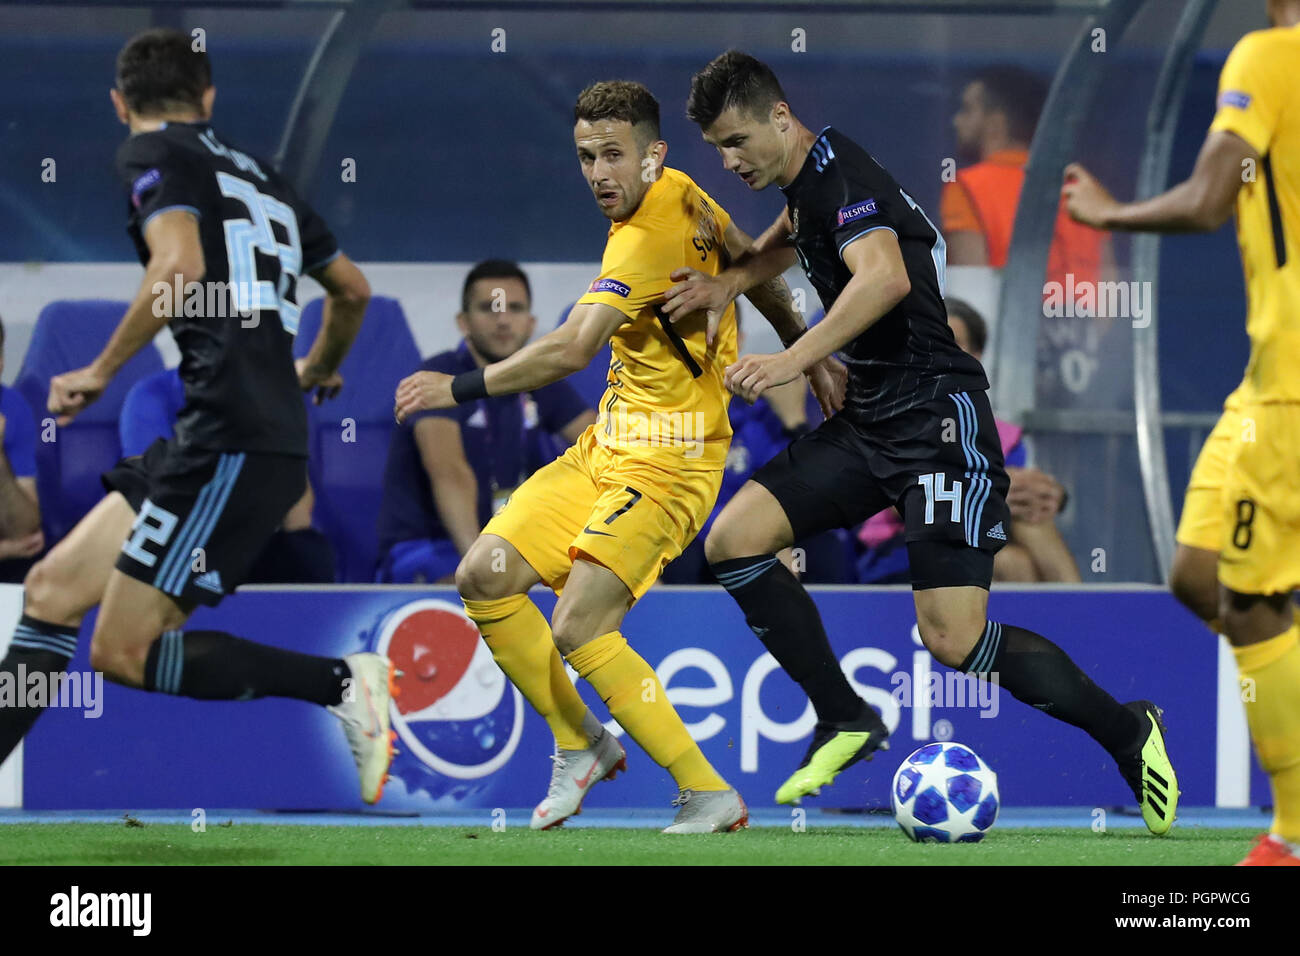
pixel 997 532
pixel 209 581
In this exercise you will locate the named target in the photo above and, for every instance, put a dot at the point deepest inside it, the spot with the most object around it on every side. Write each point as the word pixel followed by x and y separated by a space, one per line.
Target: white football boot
pixel 364 713
pixel 709 811
pixel 575 772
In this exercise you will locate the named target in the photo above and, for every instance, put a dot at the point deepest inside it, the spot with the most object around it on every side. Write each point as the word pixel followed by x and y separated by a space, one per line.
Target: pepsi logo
pixel 453 713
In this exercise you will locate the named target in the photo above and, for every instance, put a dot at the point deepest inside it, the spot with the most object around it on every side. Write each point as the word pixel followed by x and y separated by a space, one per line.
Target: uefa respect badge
pixel 458 719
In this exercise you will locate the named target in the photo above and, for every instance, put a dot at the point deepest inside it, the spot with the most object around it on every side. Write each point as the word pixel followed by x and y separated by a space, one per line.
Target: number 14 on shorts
pixel 935 492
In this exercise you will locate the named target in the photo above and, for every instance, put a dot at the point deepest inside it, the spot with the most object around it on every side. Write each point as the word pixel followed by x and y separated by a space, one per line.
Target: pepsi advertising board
pixel 469 740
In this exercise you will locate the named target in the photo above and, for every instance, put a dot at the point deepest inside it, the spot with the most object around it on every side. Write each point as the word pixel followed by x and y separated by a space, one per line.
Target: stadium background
pixel 463 151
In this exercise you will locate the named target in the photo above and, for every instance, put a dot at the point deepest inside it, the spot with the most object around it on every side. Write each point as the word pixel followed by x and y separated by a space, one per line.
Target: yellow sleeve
pixel 634 272
pixel 1250 97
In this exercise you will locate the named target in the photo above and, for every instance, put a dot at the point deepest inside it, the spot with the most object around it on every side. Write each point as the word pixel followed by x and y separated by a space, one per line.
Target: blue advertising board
pixel 469 740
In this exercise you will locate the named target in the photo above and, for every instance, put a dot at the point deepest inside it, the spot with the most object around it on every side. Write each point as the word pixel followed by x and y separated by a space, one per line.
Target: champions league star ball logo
pixel 457 717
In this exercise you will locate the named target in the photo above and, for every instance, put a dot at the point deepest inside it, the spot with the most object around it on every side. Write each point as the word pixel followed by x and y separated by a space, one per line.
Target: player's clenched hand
pixel 1087 200
pixel 754 374
pixel 828 380
pixel 73 391
pixel 327 384
pixel 1033 496
pixel 423 391
pixel 692 292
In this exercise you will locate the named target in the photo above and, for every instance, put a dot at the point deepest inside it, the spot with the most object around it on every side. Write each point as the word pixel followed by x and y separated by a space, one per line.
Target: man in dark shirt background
pixel 449 470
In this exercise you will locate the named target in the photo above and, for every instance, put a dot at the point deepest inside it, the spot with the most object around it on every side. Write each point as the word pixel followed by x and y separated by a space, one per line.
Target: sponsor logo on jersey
pixel 858 210
pixel 143 183
pixel 996 532
pixel 610 285
pixel 1235 99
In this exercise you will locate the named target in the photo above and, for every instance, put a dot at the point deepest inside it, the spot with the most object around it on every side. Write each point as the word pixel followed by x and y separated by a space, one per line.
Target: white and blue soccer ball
pixel 945 793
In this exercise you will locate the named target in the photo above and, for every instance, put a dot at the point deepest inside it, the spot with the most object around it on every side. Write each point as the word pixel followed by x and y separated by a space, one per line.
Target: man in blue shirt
pixel 448 470
pixel 21 538
pixel 296 554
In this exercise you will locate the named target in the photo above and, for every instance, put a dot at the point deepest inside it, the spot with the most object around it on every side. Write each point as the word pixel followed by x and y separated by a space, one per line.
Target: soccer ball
pixel 945 793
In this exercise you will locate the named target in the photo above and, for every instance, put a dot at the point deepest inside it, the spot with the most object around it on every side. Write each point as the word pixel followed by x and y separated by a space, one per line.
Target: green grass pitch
pixel 80 844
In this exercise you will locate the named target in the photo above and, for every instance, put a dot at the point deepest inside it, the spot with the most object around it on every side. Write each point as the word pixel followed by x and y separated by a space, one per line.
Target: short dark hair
pixel 619 100
pixel 493 269
pixel 1016 92
pixel 976 327
pixel 159 70
pixel 733 79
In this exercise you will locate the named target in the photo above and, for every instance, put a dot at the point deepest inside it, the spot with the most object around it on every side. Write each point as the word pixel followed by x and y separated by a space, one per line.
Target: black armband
pixel 469 387
pixel 794 431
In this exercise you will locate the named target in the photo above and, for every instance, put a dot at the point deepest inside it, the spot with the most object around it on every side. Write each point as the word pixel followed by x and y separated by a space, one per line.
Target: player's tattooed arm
pixel 827 378
pixel 878 284
pixel 756 268
pixel 771 296
pixel 347 293
pixel 566 350
pixel 175 259
pixel 1201 203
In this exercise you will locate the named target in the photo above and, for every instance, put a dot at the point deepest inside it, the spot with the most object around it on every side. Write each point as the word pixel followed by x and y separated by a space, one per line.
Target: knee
pixel 576 622
pixel 730 538
pixel 950 641
pixel 121 663
pixel 47 595
pixel 568 632
pixel 477 580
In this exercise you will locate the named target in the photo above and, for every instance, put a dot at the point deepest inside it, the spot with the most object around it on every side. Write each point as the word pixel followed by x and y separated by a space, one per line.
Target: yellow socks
pixel 521 644
pixel 636 699
pixel 1273 668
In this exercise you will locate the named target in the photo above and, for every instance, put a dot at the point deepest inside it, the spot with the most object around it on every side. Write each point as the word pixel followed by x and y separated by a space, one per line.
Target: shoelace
pixel 557 774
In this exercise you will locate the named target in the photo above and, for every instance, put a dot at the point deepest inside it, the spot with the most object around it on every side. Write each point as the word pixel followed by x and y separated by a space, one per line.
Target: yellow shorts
pixel 1260 504
pixel 1201 524
pixel 629 512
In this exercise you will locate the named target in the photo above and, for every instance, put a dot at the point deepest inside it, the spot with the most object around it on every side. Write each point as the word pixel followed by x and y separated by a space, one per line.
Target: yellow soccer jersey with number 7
pixel 666 397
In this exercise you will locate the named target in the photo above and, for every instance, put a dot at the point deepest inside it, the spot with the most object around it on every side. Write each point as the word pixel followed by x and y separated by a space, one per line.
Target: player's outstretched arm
pixel 175 259
pixel 879 283
pixel 347 293
pixel 1201 203
pixel 562 352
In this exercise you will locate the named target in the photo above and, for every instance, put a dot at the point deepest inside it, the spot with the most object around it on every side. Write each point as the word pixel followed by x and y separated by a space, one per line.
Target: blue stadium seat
pixel 348 476
pixel 590 382
pixel 69 335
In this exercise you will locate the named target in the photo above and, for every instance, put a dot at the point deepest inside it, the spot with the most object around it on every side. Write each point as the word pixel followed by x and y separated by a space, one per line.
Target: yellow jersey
pixel 1259 100
pixel 666 397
